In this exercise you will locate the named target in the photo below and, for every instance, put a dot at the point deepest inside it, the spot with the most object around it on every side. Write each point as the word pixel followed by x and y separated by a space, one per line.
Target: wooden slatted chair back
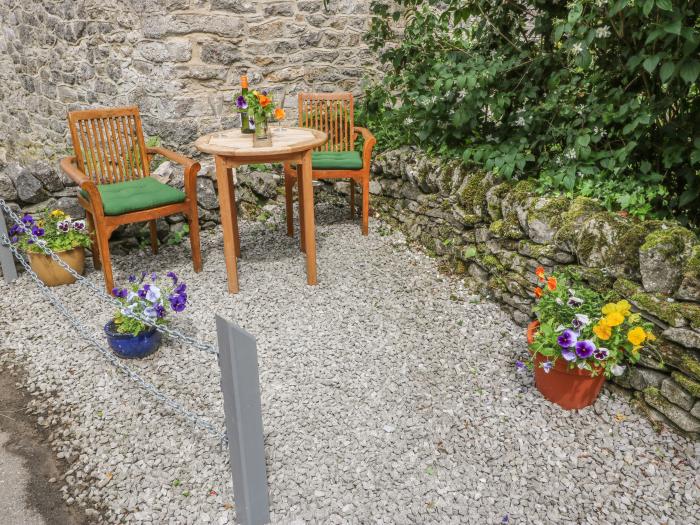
pixel 109 145
pixel 332 113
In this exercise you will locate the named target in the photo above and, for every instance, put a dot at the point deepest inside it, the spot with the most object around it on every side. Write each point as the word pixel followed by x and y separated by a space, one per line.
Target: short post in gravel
pixel 7 262
pixel 238 360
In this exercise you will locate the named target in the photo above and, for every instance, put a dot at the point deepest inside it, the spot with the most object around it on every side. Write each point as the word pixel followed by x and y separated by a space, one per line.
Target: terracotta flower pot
pixel 571 389
pixel 51 273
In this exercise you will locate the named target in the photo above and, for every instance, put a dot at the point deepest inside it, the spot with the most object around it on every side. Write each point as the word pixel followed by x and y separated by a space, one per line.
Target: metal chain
pixel 149 387
pixel 172 332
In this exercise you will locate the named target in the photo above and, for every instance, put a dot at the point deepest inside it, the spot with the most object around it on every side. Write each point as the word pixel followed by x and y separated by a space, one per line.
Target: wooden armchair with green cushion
pixel 333 113
pixel 111 166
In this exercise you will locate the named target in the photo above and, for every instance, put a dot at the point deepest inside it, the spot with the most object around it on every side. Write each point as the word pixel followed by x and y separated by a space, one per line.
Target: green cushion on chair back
pixel 135 195
pixel 336 160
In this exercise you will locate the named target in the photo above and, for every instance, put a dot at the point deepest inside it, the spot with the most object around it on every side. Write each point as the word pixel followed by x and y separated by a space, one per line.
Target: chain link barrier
pixel 175 334
pixel 107 354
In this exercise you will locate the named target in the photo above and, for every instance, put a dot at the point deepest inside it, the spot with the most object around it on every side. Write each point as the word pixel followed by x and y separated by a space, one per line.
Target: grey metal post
pixel 7 262
pixel 238 360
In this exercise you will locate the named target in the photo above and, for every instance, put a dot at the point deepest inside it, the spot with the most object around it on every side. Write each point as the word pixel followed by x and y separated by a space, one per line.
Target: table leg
pixel 229 222
pixel 300 186
pixel 309 226
pixel 236 231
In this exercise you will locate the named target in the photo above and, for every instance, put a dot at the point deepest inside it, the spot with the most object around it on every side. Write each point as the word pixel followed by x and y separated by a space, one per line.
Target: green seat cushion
pixel 336 160
pixel 135 195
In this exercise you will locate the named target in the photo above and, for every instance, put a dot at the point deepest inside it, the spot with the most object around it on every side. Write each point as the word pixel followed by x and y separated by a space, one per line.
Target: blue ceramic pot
pixel 132 346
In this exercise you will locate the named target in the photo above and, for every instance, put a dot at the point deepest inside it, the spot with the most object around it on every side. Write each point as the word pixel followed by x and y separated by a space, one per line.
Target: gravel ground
pixel 389 396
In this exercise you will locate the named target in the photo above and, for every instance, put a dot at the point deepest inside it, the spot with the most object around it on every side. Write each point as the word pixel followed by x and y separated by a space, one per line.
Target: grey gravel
pixel 389 395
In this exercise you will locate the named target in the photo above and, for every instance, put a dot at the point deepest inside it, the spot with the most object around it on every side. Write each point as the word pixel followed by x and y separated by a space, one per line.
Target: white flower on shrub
pixel 462 93
pixel 577 48
pixel 520 122
pixel 408 121
pixel 602 32
pixel 570 154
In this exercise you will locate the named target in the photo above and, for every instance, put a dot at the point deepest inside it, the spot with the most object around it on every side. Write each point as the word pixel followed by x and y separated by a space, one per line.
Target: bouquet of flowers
pixel 56 229
pixel 588 332
pixel 259 105
pixel 151 296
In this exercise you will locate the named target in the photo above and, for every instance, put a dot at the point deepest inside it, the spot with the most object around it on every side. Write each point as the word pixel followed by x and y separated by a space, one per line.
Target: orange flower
pixel 538 292
pixel 279 113
pixel 539 272
pixel 552 283
pixel 264 100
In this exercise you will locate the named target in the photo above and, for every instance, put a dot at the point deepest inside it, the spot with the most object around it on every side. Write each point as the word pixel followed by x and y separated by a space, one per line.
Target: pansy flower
pixel 567 338
pixel 579 321
pixel 79 225
pixel 584 349
pixel 27 219
pixel 241 102
pixel 568 354
pixel 547 366
pixel 38 232
pixel 601 353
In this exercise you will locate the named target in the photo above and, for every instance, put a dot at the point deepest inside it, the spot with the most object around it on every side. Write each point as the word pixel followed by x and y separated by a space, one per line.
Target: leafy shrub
pixel 592 97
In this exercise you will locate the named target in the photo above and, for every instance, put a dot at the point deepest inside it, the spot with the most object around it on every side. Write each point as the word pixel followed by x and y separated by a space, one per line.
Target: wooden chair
pixel 111 166
pixel 333 113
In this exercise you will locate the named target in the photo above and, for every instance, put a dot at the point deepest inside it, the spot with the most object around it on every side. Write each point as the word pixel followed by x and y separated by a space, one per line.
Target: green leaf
pixel 650 63
pixel 690 70
pixel 687 197
pixel 666 71
pixel 673 27
pixel 583 140
pixel 575 13
pixel 617 7
pixel 666 5
pixel 647 7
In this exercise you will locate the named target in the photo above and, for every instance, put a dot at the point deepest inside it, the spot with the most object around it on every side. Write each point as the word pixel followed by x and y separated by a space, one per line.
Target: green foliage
pixel 592 98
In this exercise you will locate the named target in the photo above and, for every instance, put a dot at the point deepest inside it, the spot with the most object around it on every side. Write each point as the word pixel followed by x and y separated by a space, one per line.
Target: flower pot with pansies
pixel 58 232
pixel 579 339
pixel 149 297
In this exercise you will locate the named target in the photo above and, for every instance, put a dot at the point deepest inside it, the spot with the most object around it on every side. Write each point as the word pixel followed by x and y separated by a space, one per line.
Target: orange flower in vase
pixel 279 113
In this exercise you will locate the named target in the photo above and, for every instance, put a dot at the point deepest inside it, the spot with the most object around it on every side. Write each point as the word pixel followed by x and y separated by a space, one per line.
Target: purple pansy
pixel 78 225
pixel 14 239
pixel 132 278
pixel 16 228
pixel 173 277
pixel 143 291
pixel 178 302
pixel 584 349
pixel 601 353
pixel 160 311
pixel 567 338
pixel 519 366
pixel 63 226
pixel 180 289
pixel 120 293
pixel 574 302
pixel 38 232
pixel 27 219
pixel 547 366
pixel 241 102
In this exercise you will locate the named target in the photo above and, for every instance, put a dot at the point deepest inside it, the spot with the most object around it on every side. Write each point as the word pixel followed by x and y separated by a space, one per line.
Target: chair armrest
pixel 71 169
pixel 191 167
pixel 368 146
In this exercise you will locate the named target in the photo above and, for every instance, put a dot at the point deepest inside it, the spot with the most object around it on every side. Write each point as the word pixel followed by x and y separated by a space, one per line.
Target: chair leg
pixel 365 205
pixel 289 202
pixel 94 246
pixel 301 210
pixel 352 198
pixel 154 236
pixel 103 242
pixel 193 223
pixel 234 218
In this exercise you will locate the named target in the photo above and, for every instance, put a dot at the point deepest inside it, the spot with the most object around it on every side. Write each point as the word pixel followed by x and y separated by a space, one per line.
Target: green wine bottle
pixel 245 120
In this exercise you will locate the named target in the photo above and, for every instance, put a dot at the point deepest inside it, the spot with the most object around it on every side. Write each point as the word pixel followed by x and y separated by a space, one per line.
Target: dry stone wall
pixel 496 233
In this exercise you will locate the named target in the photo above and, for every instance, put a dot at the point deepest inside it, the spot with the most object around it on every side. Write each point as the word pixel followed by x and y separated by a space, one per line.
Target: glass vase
pixel 262 136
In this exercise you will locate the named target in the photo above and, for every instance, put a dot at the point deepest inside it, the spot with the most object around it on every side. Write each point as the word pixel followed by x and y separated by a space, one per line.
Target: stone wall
pixel 496 233
pixel 179 60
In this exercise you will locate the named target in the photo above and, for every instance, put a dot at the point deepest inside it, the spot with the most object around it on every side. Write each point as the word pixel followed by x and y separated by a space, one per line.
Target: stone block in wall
pixel 47 175
pixel 279 9
pixel 579 211
pixel 676 394
pixel 260 183
pixel 206 195
pixel 662 256
pixel 544 218
pixel 169 51
pixel 683 336
pixel 494 196
pixel 71 206
pixel 547 254
pixel 680 358
pixel 235 6
pixel 186 23
pixel 7 187
pixel 689 288
pixel 639 378
pixel 688 384
pixel 677 415
pixel 29 188
pixel 220 53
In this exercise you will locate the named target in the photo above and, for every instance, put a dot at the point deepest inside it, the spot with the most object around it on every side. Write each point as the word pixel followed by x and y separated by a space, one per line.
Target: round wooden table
pixel 231 149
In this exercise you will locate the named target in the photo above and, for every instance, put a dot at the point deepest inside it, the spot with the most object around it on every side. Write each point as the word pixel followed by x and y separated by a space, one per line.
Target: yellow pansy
pixel 651 336
pixel 624 307
pixel 602 330
pixel 614 319
pixel 609 308
pixel 57 213
pixel 634 318
pixel 636 336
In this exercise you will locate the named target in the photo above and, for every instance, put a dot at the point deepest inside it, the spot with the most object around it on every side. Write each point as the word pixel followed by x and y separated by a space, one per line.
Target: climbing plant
pixel 589 97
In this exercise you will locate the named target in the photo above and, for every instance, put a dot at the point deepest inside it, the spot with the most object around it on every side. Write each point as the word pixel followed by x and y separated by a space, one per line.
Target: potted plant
pixel 580 339
pixel 151 296
pixel 260 105
pixel 61 234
